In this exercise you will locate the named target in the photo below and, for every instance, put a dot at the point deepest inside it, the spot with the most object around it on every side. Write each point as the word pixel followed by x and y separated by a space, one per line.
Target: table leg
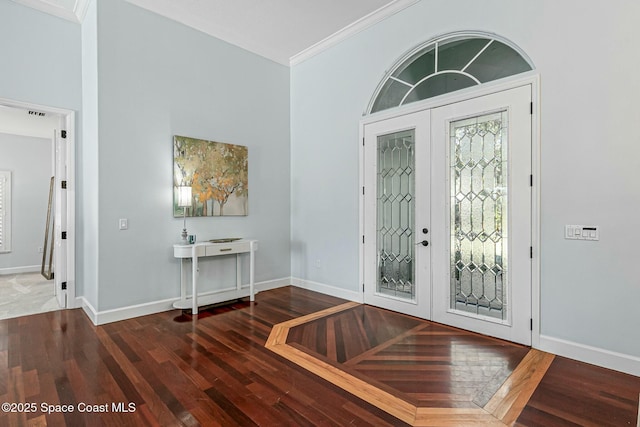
pixel 194 281
pixel 252 252
pixel 238 273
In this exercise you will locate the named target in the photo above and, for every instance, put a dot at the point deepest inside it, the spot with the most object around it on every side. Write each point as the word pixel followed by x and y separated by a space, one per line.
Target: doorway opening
pixel 37 271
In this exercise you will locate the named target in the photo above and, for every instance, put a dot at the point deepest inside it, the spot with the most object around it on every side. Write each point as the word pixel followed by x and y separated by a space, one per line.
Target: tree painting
pixel 217 174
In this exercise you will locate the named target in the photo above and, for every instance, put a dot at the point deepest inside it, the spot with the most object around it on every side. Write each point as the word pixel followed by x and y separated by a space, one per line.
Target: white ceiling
pixel 285 31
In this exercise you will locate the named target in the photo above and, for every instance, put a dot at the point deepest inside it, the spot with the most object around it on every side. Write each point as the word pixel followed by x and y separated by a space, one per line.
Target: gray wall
pixel 29 160
pixel 40 60
pixel 158 78
pixel 590 157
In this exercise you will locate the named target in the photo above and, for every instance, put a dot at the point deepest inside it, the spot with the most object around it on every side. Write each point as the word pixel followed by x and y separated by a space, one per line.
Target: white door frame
pixel 68 119
pixel 530 78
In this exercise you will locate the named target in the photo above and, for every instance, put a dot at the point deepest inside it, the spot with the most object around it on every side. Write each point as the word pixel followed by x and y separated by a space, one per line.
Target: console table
pixel 194 251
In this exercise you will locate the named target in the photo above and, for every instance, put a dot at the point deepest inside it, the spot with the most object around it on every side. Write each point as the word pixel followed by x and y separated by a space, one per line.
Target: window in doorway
pixel 447 64
pixel 5 211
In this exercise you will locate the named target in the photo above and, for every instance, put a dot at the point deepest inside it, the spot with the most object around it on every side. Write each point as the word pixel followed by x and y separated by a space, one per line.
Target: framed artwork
pixel 217 174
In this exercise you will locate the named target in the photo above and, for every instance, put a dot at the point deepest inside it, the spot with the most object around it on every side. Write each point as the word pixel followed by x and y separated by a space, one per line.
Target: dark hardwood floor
pixel 170 369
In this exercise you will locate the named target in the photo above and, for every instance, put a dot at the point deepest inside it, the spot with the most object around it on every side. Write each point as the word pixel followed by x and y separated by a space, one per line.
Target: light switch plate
pixel 582 232
pixel 123 224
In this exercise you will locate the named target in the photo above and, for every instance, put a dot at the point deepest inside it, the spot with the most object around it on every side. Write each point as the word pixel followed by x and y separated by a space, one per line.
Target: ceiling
pixel 285 31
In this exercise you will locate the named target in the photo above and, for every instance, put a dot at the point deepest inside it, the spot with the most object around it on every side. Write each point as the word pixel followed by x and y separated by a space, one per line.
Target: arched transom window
pixel 448 64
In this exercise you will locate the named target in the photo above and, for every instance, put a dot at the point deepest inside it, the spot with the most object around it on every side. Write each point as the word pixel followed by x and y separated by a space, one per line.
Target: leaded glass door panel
pixel 482 280
pixel 396 214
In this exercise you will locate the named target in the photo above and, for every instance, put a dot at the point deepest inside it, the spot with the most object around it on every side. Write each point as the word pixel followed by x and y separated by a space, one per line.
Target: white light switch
pixel 582 232
pixel 124 223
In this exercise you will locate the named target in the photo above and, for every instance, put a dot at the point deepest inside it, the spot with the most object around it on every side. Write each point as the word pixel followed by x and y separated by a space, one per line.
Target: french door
pixel 447 214
pixel 397 272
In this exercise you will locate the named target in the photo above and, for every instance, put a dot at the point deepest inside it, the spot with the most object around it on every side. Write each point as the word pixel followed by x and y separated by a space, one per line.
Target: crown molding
pixel 81 9
pixel 76 14
pixel 361 24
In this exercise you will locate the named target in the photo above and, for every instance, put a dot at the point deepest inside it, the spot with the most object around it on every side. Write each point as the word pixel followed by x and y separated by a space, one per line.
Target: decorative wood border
pixel 503 409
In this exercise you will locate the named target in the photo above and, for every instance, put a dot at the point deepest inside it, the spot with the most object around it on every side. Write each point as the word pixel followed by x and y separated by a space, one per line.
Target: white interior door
pixel 482 236
pixel 457 177
pixel 60 220
pixel 397 265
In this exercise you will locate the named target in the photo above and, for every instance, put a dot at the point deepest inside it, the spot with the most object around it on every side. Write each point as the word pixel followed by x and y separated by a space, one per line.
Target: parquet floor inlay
pixel 421 372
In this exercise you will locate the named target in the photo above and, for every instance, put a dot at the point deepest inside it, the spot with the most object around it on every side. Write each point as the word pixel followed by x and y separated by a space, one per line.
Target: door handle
pixel 423 243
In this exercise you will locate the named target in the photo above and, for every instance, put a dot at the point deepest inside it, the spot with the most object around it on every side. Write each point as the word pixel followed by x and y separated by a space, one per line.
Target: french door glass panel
pixel 479 190
pixel 395 193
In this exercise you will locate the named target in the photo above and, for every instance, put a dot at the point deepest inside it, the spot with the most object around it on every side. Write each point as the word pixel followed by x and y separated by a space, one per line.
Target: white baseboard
pixel 88 309
pixel 137 310
pixel 273 284
pixel 328 289
pixel 593 355
pixel 18 270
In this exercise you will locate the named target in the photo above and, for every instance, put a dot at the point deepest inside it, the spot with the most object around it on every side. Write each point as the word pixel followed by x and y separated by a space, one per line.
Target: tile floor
pixel 26 293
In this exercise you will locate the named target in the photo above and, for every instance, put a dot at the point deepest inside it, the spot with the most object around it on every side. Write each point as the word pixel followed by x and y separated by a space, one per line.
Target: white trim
pixel 130 312
pixel 361 225
pixel 153 307
pixel 82 6
pixel 76 15
pixel 70 126
pixel 273 284
pixel 327 289
pixel 535 212
pixel 596 356
pixel 522 79
pixel 88 309
pixel 361 24
pixel 19 270
pixel 6 222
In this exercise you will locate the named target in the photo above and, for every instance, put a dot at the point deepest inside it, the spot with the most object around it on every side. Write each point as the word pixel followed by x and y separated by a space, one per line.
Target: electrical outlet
pixel 318 263
pixel 40 249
